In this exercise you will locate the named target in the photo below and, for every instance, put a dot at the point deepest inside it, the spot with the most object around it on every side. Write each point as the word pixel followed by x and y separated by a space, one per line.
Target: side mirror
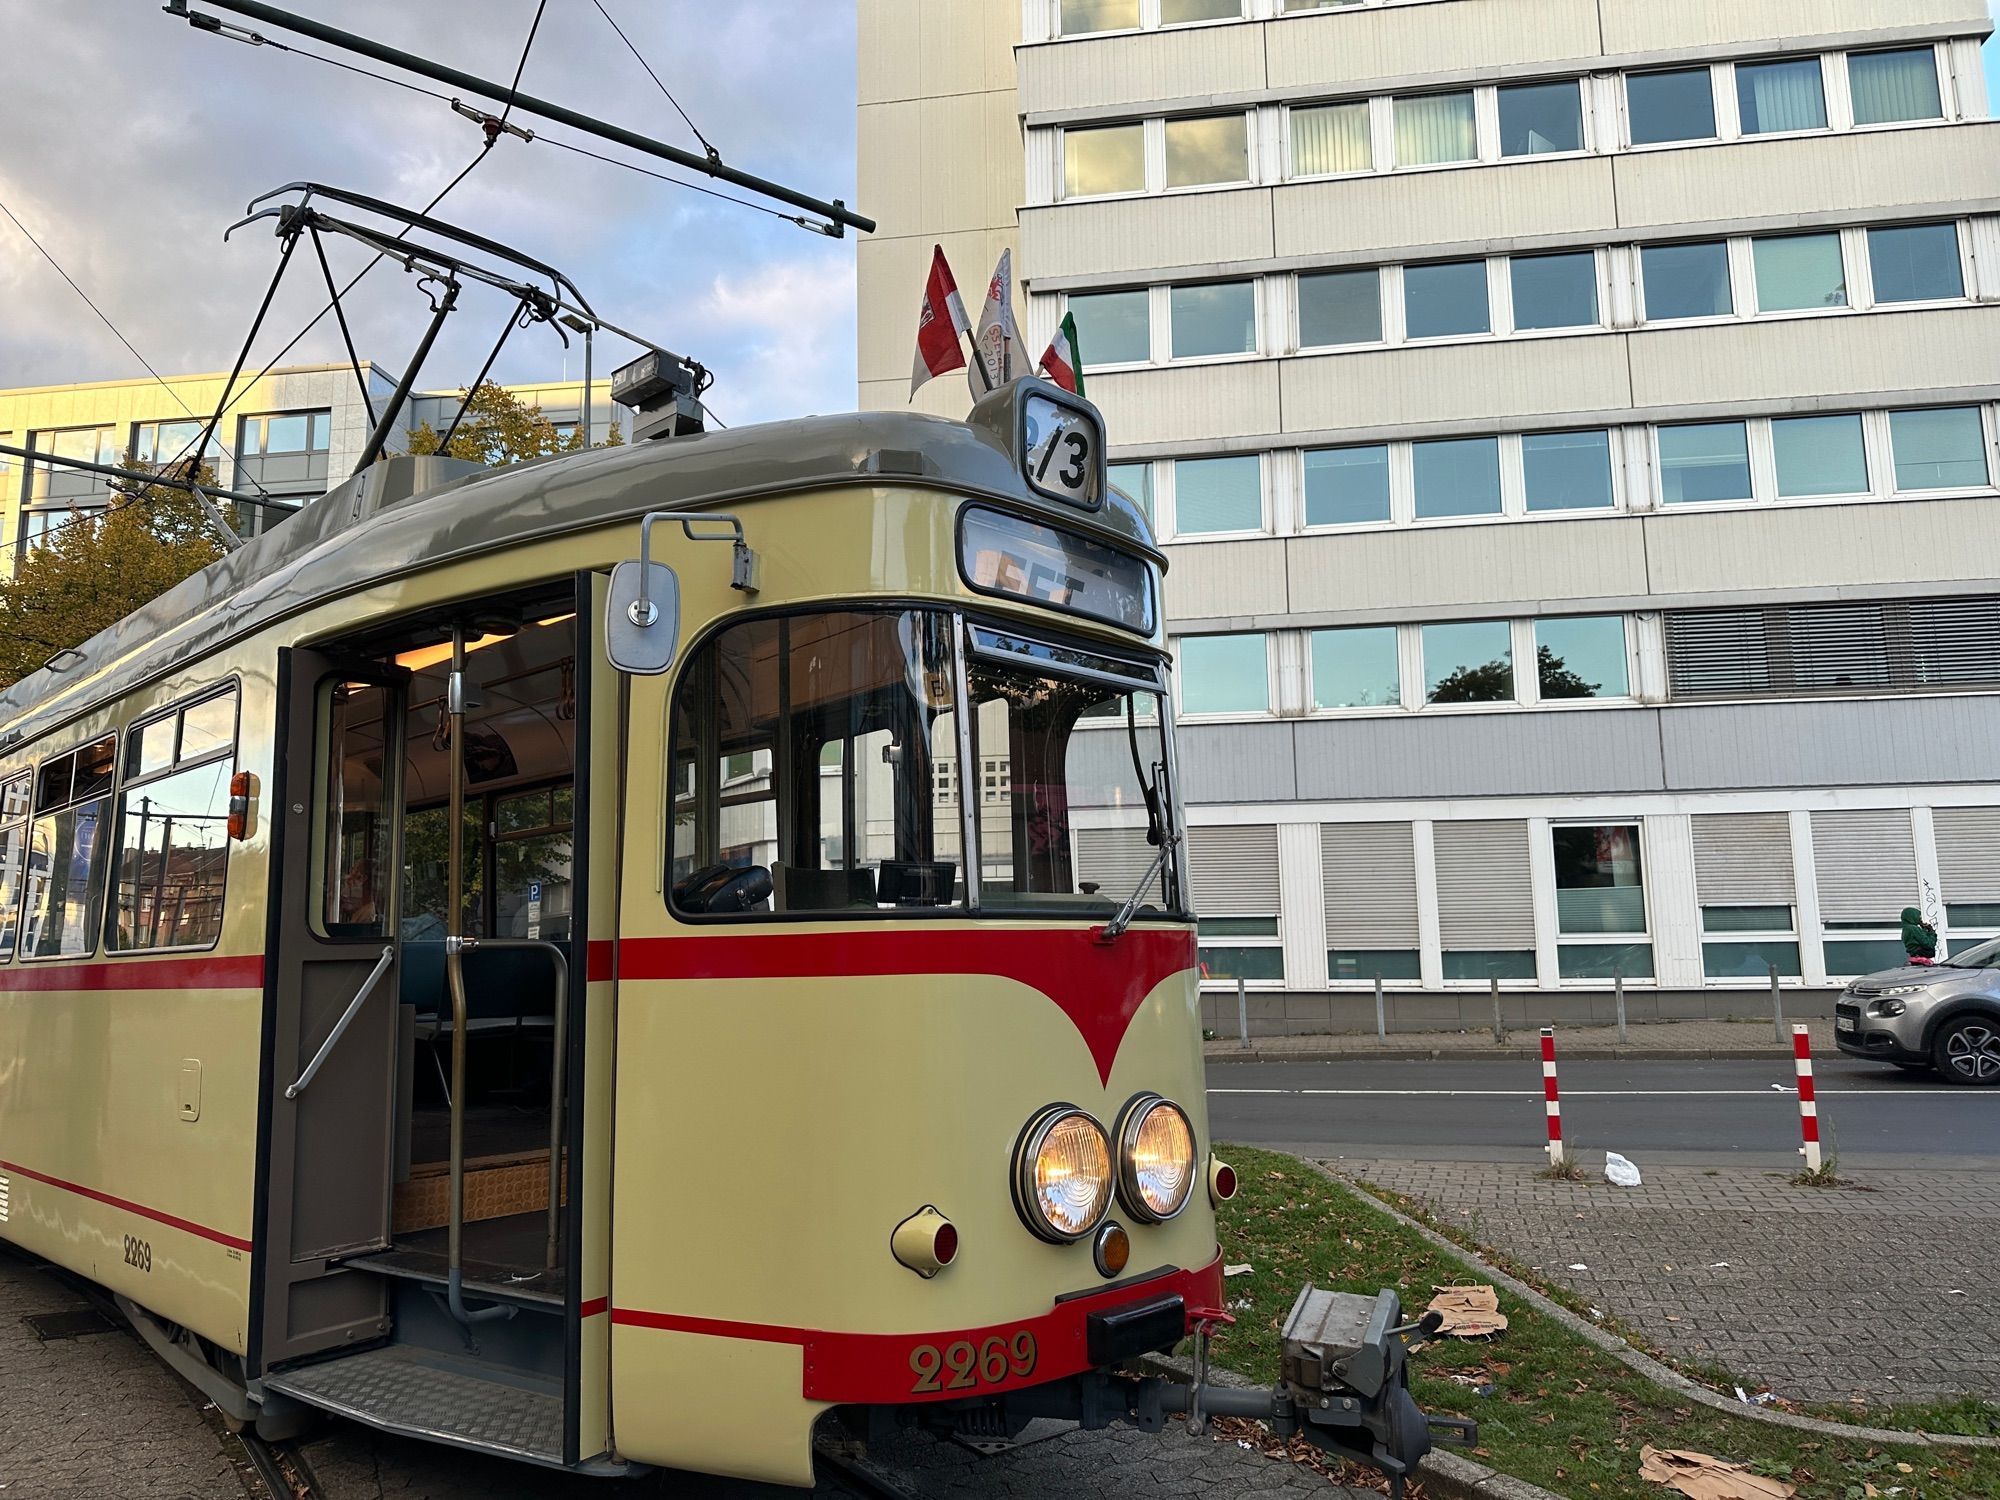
pixel 642 618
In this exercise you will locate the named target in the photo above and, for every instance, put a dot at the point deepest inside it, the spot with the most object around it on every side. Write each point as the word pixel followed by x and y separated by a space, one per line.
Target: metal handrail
pixel 340 1027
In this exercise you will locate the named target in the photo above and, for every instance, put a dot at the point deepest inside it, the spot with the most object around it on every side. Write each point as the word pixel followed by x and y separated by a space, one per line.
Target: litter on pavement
pixel 1700 1476
pixel 1620 1172
pixel 1242 1270
pixel 1469 1312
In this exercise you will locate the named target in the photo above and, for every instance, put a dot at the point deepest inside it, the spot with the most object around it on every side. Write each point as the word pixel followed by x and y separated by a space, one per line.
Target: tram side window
pixel 818 750
pixel 15 797
pixel 357 832
pixel 172 853
pixel 65 885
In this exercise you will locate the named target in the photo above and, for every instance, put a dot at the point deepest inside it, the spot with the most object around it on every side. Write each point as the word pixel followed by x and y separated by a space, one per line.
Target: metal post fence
pixel 1242 1014
pixel 1777 1005
pixel 1808 1103
pixel 1552 1097
pixel 1381 1015
pixel 1618 989
pixel 1499 1026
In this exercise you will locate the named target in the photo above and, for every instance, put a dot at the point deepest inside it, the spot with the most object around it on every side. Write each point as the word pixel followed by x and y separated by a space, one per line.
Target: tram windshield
pixel 854 756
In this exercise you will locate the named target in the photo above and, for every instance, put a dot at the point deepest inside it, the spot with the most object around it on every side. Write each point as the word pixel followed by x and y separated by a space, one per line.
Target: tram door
pixel 336 811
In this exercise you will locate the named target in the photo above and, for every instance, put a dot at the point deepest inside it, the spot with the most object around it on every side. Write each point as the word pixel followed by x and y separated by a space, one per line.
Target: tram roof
pixel 407 514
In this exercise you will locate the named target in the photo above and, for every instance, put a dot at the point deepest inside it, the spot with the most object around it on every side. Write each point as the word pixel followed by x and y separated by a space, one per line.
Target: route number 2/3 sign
pixel 1063 456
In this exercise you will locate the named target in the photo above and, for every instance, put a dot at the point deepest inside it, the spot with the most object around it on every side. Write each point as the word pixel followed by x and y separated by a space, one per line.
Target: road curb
pixel 1643 1363
pixel 1772 1053
pixel 1445 1474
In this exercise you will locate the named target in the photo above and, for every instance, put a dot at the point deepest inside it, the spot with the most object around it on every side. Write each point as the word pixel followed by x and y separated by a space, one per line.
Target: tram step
pixel 423 1393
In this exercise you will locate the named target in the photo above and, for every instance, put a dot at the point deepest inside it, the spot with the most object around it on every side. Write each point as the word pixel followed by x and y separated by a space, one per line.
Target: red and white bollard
pixel 1808 1105
pixel 1553 1098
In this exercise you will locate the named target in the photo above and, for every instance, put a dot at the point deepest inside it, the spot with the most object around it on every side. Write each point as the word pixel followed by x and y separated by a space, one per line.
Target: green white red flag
pixel 1062 363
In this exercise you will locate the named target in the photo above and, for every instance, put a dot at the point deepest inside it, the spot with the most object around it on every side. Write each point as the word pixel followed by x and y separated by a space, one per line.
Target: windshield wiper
pixel 1111 931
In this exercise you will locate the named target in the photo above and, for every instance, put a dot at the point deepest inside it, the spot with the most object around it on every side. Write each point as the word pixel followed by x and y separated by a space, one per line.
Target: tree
pixel 95 569
pixel 1493 682
pixel 1558 681
pixel 499 428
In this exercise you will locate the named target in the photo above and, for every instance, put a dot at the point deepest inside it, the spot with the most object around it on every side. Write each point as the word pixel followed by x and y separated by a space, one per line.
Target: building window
pixel 1179 12
pixel 1077 17
pixel 1567 470
pixel 1105 159
pixel 1369 880
pixel 1469 662
pixel 1555 291
pixel 1234 875
pixel 1747 942
pixel 1330 139
pixel 1799 271
pixel 49 484
pixel 1357 668
pixel 1677 105
pixel 1919 263
pixel 1113 328
pixel 66 852
pixel 1219 318
pixel 1246 948
pixel 1347 486
pixel 1704 461
pixel 1893 86
pixel 1218 495
pixel 1820 456
pixel 1446 301
pixel 284 451
pixel 173 846
pixel 1601 902
pixel 1582 657
pixel 1485 900
pixel 1134 481
pixel 1340 307
pixel 1538 119
pixel 160 443
pixel 1457 477
pixel 1778 96
pixel 1432 129
pixel 1900 646
pixel 1225 674
pixel 1686 281
pixel 1942 449
pixel 1208 148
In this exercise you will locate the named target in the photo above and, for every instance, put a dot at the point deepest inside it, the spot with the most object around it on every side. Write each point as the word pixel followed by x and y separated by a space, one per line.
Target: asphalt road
pixel 1476 1109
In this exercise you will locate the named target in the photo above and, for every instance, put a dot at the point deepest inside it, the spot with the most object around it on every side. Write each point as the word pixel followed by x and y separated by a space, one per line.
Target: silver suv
pixel 1944 1016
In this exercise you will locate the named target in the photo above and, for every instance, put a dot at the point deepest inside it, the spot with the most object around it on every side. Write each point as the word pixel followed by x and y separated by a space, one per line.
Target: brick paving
pixel 1700 1038
pixel 1826 1295
pixel 97 1416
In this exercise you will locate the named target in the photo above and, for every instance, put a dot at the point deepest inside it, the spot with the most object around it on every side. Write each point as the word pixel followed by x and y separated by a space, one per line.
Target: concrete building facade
pixel 1573 427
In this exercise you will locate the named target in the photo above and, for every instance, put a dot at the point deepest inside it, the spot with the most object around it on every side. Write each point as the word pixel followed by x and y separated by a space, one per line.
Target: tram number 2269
pixel 964 1367
pixel 138 1253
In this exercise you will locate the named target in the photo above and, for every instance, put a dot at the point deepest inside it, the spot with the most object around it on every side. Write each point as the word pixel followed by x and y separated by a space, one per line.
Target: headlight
pixel 1156 1158
pixel 1890 1008
pixel 1904 989
pixel 1062 1174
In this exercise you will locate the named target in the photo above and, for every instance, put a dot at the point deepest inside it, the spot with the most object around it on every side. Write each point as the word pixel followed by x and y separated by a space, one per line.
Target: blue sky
pixel 141 140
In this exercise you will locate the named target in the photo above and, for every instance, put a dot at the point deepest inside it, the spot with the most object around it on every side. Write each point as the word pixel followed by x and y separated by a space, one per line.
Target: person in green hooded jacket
pixel 1919 937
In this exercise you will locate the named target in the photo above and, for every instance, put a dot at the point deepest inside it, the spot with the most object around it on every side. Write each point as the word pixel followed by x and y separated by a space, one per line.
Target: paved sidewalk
pixel 97 1416
pixel 1825 1295
pixel 1653 1039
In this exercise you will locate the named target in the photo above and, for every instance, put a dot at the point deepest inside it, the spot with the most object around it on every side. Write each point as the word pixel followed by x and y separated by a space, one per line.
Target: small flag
pixel 941 322
pixel 1062 364
pixel 996 347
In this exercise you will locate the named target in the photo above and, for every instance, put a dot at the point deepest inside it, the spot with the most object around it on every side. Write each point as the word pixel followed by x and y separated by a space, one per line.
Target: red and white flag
pixel 941 323
pixel 1062 364
pixel 997 356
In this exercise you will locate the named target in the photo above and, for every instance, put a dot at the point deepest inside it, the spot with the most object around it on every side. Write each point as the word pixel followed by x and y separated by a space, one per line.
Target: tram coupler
pixel 1344 1385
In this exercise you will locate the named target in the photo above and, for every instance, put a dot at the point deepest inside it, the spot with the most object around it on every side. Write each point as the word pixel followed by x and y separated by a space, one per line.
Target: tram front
pixel 909 1108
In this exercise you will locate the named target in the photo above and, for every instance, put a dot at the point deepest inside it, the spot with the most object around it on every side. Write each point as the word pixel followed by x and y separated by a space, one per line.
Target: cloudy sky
pixel 135 141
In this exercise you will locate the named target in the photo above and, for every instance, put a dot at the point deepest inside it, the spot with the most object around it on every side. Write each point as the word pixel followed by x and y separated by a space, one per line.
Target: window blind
pixel 1368 873
pixel 1485 900
pixel 1331 138
pixel 1968 852
pixel 1435 128
pixel 1743 859
pixel 1866 864
pixel 1234 871
pixel 1891 86
pixel 1899 646
pixel 1115 859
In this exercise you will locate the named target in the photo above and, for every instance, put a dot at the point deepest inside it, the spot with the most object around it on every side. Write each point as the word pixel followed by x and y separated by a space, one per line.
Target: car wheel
pixel 1967 1050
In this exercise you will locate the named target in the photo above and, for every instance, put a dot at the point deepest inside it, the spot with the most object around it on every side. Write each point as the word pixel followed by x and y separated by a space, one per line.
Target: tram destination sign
pixel 1062 449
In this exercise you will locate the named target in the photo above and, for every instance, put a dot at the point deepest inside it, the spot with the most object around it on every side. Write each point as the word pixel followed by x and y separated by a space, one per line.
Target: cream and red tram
pixel 610 960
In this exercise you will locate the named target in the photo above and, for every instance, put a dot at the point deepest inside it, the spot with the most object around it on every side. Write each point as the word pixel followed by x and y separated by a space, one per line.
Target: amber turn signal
pixel 1221 1180
pixel 1112 1249
pixel 926 1242
pixel 242 787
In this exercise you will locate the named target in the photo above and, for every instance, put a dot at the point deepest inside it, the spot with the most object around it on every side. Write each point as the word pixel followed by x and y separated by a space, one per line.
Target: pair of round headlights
pixel 1065 1173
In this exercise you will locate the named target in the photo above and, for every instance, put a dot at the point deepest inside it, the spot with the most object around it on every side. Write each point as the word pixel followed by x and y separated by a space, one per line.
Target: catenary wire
pixel 693 187
pixel 706 144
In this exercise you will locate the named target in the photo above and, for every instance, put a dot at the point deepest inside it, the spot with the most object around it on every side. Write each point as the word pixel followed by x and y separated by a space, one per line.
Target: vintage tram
pixel 610 960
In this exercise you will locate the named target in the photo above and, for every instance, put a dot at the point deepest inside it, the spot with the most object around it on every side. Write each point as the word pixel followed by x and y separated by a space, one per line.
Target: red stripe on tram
pixel 158 1216
pixel 594 1306
pixel 1100 987
pixel 207 973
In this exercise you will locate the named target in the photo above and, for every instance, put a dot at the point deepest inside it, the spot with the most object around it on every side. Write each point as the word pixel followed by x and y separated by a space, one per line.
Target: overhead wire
pixel 706 144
